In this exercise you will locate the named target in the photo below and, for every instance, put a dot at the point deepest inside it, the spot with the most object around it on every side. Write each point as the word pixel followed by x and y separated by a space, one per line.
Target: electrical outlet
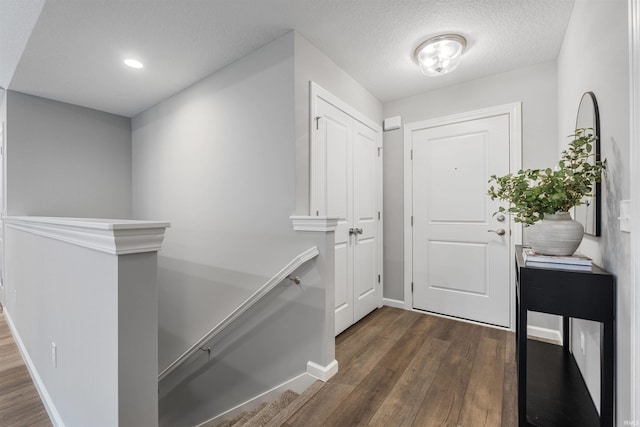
pixel 582 343
pixel 54 354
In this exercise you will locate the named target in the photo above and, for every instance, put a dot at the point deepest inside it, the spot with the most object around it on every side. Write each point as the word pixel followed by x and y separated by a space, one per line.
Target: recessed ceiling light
pixel 133 63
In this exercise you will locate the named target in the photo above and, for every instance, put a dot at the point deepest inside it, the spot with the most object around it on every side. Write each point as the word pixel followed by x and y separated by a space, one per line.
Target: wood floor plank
pixel 349 347
pixel 403 402
pixel 494 333
pixel 321 406
pixel 358 408
pixel 483 400
pixel 510 388
pixel 20 404
pixel 443 402
pixel 22 407
pixel 402 323
pixel 374 320
pixel 365 362
pixel 15 379
pixel 437 373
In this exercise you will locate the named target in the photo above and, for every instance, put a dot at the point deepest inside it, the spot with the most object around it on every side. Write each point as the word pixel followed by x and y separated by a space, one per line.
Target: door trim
pixel 634 84
pixel 514 111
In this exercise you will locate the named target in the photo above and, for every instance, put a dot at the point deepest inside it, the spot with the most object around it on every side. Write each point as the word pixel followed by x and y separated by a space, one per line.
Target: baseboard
pixel 54 416
pixel 393 303
pixel 297 384
pixel 551 335
pixel 322 373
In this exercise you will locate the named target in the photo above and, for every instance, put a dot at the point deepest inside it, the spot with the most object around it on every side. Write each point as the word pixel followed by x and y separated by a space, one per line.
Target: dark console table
pixel 551 390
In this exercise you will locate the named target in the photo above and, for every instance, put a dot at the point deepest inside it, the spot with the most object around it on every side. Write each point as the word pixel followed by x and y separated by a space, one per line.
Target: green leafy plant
pixel 535 192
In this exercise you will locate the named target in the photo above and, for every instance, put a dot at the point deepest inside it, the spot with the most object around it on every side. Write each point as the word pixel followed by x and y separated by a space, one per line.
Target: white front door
pixel 347 184
pixel 461 251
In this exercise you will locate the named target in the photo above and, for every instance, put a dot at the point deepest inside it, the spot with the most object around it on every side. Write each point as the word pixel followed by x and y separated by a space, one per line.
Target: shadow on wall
pixel 267 345
pixel 612 250
pixel 192 299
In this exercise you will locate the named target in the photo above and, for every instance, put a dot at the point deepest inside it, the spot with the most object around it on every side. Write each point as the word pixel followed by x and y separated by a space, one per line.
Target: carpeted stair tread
pixel 242 421
pixel 271 410
pixel 295 405
pixel 225 423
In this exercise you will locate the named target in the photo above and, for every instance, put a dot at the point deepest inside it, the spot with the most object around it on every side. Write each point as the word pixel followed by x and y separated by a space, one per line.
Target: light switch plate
pixel 625 216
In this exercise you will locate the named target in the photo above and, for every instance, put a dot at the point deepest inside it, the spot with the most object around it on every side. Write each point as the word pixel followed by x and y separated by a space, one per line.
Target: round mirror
pixel 588 213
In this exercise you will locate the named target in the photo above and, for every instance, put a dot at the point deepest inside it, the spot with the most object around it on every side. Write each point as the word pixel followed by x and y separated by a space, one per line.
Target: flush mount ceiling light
pixel 133 63
pixel 440 55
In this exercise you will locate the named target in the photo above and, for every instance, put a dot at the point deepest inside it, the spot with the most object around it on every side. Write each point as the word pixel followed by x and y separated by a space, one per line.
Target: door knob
pixel 353 231
pixel 359 230
pixel 500 217
pixel 499 231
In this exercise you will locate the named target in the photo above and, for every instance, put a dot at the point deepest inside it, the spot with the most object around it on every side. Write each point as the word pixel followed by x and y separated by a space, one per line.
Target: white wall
pixel 534 86
pixel 312 65
pixel 218 161
pixel 65 160
pixel 594 57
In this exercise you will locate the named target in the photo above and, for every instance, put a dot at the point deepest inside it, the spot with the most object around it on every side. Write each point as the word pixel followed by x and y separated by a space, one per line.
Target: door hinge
pixel 379 151
pixel 412 220
pixel 411 154
pixel 411 287
pixel 378 215
pixel 317 120
pixel 317 213
pixel 379 278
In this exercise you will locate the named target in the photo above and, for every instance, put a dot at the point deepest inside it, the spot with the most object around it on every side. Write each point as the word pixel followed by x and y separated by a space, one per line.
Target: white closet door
pixel 347 183
pixel 334 147
pixel 366 171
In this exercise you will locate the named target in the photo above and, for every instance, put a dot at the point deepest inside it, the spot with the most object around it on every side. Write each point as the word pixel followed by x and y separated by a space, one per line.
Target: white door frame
pixel 514 111
pixel 317 92
pixel 634 142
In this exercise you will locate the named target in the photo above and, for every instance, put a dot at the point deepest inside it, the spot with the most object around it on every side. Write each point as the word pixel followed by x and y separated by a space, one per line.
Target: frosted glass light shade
pixel 440 55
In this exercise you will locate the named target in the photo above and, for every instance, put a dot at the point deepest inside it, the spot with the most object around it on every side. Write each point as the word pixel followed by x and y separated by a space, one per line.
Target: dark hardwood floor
pixel 401 368
pixel 20 404
pixel 397 368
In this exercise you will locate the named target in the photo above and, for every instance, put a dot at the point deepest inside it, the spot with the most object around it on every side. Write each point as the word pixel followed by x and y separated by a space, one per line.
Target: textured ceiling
pixel 76 49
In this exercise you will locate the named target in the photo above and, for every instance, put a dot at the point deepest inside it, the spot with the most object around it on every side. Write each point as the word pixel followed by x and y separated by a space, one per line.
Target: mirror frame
pixel 597 191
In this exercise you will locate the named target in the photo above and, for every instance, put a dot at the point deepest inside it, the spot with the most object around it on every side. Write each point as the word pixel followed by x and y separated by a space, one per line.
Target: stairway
pixel 272 414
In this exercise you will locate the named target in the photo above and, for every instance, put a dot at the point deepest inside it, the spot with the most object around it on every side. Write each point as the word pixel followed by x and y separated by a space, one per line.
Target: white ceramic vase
pixel 556 234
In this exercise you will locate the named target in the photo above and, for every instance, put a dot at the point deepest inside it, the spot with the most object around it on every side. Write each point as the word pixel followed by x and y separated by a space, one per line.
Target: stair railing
pixel 285 273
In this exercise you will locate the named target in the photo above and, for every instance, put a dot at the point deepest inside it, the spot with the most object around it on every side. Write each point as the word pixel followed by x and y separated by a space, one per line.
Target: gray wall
pixel 76 298
pixel 217 160
pixel 65 160
pixel 534 86
pixel 311 64
pixel 594 57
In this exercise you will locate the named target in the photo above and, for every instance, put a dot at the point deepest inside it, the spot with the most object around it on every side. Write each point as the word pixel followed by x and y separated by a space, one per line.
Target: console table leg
pixel 522 367
pixel 607 361
pixel 566 334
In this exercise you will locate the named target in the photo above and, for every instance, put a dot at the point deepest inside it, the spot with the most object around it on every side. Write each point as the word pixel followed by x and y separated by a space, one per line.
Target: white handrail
pixel 246 305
